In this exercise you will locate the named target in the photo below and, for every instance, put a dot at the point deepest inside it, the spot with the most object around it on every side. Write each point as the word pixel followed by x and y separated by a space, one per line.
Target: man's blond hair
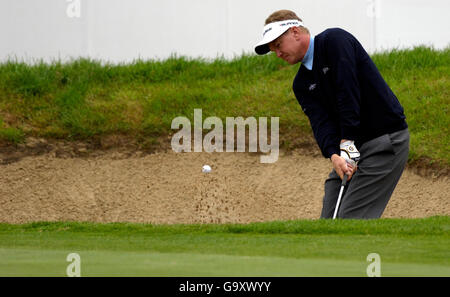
pixel 283 15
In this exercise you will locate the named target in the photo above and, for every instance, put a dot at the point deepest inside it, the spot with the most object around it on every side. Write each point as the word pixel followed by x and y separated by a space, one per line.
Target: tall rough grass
pixel 85 98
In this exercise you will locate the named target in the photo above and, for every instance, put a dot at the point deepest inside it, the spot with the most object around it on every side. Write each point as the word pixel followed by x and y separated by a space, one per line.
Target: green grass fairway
pixel 407 247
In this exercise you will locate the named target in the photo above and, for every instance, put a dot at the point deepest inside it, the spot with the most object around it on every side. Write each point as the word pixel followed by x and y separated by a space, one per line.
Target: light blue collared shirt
pixel 309 56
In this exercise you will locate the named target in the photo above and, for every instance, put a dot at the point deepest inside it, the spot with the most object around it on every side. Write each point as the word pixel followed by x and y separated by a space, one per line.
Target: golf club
pixel 344 182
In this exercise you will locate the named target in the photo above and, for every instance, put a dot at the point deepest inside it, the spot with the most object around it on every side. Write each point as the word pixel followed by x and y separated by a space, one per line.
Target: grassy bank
pixel 407 247
pixel 85 99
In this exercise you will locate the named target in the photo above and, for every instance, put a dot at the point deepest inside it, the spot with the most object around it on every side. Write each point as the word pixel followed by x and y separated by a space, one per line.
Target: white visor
pixel 272 31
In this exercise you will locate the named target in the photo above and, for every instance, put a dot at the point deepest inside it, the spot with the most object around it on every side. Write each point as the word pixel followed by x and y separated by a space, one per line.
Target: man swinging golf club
pixel 356 119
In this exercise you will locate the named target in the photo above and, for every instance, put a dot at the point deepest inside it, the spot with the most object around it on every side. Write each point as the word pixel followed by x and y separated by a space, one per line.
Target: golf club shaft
pixel 344 182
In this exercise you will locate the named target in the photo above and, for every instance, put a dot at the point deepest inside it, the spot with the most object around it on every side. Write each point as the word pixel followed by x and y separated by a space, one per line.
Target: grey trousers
pixel 366 195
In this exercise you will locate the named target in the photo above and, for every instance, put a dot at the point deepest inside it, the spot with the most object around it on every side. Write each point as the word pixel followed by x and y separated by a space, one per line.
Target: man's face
pixel 291 46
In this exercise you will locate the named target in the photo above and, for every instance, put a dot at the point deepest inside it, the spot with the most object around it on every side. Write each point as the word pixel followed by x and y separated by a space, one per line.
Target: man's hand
pixel 341 166
pixel 347 162
pixel 349 152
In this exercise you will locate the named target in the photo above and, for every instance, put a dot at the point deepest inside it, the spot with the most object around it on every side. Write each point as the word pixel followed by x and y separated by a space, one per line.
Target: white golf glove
pixel 349 152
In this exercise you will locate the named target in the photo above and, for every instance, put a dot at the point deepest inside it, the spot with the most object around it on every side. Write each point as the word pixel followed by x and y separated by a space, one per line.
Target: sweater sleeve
pixel 325 131
pixel 341 53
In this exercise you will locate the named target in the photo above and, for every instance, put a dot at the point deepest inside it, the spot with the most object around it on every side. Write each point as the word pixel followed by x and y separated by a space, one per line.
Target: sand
pixel 168 187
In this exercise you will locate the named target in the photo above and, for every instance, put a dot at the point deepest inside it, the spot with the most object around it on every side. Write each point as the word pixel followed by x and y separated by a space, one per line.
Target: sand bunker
pixel 170 187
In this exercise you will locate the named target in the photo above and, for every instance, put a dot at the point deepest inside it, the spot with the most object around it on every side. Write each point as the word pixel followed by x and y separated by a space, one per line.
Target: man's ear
pixel 296 32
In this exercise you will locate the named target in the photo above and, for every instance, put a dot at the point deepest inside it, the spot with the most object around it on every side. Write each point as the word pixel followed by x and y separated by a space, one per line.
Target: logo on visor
pixel 267 31
pixel 288 23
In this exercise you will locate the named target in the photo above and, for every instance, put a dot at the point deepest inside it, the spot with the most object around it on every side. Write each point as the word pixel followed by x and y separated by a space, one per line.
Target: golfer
pixel 356 119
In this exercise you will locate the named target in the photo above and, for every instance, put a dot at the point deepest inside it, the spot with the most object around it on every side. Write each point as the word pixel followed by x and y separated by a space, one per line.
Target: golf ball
pixel 206 168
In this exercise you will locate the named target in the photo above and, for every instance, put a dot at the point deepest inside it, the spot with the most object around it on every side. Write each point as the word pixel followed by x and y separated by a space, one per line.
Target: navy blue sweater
pixel 344 95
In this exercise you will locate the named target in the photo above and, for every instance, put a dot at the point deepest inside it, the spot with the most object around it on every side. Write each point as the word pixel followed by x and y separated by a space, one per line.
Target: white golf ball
pixel 206 168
